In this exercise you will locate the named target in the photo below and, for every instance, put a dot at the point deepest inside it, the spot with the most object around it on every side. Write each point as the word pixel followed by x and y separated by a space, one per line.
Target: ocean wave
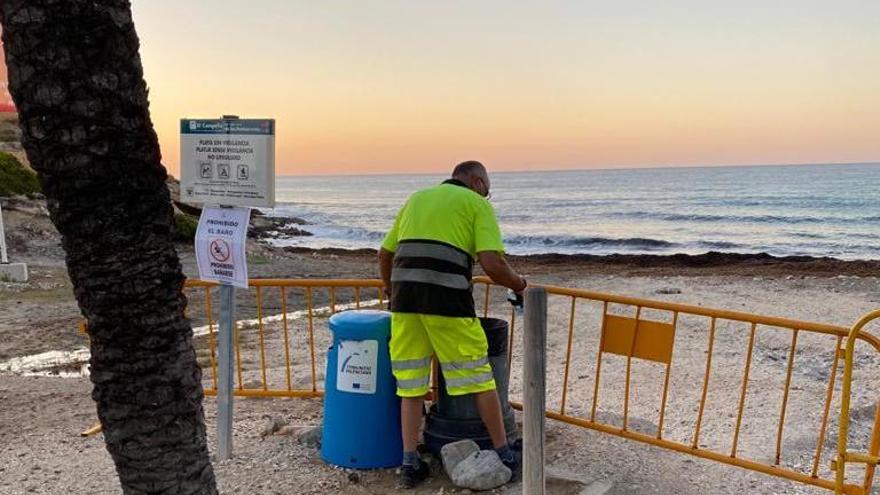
pixel 863 235
pixel 586 242
pixel 510 217
pixel 720 245
pixel 809 235
pixel 579 203
pixel 768 219
pixel 347 233
pixel 775 202
pixel 540 243
pixel 622 244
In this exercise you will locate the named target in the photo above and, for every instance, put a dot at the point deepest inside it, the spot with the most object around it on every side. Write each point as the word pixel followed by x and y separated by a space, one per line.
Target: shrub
pixel 185 227
pixel 15 178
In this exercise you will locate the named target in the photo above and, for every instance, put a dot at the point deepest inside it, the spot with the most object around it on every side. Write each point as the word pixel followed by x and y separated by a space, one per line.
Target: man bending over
pixel 426 263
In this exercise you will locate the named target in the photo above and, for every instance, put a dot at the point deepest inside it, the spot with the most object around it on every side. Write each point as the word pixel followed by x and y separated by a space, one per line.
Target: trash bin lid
pixel 361 324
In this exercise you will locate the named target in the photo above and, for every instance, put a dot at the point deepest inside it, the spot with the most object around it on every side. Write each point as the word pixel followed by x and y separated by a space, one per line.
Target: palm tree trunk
pixel 76 78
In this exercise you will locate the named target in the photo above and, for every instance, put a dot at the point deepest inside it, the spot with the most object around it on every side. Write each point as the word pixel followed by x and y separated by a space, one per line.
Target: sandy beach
pixel 43 415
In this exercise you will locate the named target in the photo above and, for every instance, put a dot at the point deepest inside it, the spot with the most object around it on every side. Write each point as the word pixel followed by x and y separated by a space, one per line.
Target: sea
pixel 793 210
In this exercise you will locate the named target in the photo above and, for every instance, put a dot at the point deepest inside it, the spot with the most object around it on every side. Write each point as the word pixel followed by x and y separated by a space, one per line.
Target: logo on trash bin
pixel 345 363
pixel 357 366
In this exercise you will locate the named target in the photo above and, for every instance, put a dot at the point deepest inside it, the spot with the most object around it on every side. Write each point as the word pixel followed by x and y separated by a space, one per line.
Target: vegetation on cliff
pixel 15 178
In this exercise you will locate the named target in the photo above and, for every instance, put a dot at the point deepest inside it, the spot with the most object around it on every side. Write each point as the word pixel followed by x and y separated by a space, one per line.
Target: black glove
pixel 515 299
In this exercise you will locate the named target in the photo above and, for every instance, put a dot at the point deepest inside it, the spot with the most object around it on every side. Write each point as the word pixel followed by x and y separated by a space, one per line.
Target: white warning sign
pixel 220 245
pixel 357 362
pixel 228 161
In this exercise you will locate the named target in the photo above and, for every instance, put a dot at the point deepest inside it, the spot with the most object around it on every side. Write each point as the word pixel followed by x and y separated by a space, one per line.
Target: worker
pixel 426 262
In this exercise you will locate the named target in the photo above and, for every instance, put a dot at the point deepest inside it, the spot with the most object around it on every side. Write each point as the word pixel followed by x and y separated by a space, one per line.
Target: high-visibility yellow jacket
pixel 436 237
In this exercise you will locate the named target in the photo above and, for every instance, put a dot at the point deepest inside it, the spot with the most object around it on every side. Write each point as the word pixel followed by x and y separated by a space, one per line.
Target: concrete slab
pixel 13 272
pixel 598 488
pixel 565 483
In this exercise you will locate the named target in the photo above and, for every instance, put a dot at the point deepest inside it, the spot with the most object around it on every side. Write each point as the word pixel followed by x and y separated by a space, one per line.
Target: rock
pixel 482 470
pixel 253 385
pixel 455 452
pixel 274 227
pixel 287 431
pixel 354 477
pixel 668 290
pixel 272 426
pixel 310 437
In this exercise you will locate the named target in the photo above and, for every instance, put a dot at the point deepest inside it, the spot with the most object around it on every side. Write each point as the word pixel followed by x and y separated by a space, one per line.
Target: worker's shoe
pixel 510 456
pixel 517 445
pixel 410 476
pixel 515 468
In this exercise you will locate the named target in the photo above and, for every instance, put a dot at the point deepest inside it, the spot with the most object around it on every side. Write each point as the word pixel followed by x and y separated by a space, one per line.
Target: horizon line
pixel 597 169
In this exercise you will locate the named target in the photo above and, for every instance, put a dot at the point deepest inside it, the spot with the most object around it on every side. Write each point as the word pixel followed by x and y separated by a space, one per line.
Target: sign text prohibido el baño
pixel 220 245
pixel 228 162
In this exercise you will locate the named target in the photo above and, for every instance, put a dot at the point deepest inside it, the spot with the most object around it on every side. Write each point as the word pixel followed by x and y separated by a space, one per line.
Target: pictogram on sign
pixel 220 250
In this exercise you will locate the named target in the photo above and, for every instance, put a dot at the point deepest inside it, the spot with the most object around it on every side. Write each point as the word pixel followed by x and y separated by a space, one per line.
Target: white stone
pixel 482 470
pixel 455 452
pixel 13 272
pixel 311 437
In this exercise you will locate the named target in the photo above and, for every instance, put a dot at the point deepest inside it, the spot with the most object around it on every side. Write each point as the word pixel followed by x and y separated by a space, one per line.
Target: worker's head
pixel 473 174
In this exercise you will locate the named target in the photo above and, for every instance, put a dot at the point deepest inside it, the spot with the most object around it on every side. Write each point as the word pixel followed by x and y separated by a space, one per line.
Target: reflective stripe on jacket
pixel 432 277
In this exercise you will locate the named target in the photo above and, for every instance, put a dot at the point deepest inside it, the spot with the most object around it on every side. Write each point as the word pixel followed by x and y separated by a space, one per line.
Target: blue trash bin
pixel 361 407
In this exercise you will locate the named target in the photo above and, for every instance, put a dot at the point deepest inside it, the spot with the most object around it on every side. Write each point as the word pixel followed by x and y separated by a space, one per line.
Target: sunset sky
pixel 397 86
pixel 5 100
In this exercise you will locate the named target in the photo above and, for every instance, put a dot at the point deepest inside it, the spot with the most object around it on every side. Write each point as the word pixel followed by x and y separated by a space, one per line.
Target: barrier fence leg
pixel 225 372
pixel 534 389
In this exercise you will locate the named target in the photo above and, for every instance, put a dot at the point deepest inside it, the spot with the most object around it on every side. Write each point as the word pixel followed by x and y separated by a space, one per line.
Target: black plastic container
pixel 453 418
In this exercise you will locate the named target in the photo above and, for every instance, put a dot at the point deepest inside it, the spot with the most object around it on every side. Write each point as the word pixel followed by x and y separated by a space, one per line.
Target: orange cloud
pixel 6 104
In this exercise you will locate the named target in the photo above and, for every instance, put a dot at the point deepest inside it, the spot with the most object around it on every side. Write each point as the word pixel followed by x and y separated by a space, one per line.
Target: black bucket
pixel 497 331
pixel 453 418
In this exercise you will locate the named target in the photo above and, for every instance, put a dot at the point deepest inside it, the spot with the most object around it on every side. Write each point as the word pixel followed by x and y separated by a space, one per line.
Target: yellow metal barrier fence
pixel 650 333
pixel 843 455
pixel 258 371
pixel 632 340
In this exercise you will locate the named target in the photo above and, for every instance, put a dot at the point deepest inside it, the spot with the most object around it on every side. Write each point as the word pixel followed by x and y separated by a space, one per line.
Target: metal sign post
pixel 224 370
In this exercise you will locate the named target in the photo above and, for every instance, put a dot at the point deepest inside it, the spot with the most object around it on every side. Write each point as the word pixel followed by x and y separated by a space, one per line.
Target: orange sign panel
pixel 646 339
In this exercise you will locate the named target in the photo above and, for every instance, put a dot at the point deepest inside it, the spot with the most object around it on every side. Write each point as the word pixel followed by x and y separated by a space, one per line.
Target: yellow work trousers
pixel 460 346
